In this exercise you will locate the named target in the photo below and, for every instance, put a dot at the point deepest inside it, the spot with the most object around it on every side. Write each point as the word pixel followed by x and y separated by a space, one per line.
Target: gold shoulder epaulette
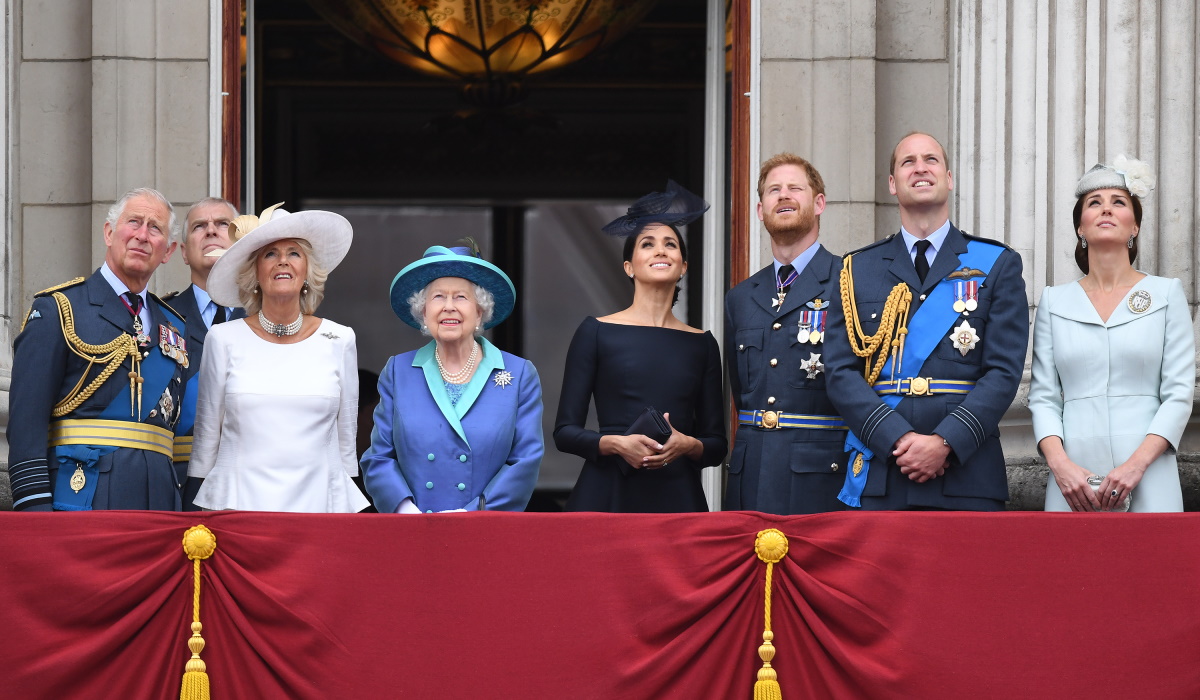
pixel 64 285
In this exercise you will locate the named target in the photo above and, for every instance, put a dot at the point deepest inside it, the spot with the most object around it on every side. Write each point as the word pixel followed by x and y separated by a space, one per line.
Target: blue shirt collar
pixel 202 298
pixel 801 261
pixel 936 239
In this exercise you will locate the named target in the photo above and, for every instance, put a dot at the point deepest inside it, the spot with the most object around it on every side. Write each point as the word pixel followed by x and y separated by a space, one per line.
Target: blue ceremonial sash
pixel 157 371
pixel 925 331
pixel 85 457
pixel 187 413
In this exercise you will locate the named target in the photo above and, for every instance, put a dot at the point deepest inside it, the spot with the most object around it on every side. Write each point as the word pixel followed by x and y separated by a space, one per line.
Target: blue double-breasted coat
pixel 482 453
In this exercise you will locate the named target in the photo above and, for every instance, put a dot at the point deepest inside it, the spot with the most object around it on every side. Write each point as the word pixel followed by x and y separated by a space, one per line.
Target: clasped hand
pixel 921 457
pixel 641 452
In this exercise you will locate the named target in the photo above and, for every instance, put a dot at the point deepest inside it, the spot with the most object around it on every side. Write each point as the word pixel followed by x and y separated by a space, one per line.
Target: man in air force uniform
pixel 97 378
pixel 938 324
pixel 787 457
pixel 205 229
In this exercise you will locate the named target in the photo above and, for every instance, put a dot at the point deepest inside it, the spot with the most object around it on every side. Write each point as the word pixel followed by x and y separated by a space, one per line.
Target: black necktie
pixel 219 317
pixel 785 271
pixel 922 262
pixel 135 302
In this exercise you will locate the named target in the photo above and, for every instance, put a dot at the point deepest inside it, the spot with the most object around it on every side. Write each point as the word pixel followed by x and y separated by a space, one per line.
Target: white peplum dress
pixel 275 424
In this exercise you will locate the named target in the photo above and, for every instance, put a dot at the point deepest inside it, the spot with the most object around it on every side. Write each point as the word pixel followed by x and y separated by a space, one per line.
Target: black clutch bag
pixel 651 424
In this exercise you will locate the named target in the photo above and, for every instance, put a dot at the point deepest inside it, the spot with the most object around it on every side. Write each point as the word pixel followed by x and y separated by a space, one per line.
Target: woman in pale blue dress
pixel 1114 360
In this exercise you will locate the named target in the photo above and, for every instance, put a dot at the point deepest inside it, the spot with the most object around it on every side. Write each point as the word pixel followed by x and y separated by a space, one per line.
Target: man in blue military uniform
pixel 925 351
pixel 787 456
pixel 97 376
pixel 205 229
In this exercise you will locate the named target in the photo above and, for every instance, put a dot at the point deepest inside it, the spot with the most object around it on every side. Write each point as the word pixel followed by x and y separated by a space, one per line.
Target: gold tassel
pixel 198 543
pixel 770 546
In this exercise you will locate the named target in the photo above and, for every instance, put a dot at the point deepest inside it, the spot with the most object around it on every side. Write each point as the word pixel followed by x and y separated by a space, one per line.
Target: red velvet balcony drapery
pixel 494 605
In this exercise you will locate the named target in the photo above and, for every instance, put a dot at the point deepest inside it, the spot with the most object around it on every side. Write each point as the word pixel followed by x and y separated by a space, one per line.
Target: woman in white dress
pixel 1113 360
pixel 277 409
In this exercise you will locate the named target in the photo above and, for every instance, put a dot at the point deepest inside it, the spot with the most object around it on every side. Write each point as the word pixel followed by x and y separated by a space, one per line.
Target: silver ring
pixel 1114 493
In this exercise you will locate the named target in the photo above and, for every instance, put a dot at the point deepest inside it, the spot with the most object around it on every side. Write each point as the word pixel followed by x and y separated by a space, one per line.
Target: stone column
pixel 818 100
pixel 1044 89
pixel 106 95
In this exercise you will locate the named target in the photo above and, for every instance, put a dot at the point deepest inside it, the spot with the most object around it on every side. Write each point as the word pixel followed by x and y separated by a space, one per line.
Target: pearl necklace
pixel 461 375
pixel 280 329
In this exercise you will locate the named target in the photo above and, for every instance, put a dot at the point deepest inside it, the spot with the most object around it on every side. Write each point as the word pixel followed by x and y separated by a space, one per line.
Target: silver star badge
pixel 502 378
pixel 965 338
pixel 812 365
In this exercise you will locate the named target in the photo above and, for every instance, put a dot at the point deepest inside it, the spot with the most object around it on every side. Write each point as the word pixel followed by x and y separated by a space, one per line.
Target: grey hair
pixel 118 208
pixel 483 299
pixel 180 235
pixel 250 295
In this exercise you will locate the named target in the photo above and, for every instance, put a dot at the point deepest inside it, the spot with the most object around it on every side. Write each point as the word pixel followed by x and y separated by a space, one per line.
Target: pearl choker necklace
pixel 461 375
pixel 280 329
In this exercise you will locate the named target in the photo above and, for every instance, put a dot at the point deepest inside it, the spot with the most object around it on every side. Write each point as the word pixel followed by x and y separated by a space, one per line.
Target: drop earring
pixel 1129 244
pixel 1083 242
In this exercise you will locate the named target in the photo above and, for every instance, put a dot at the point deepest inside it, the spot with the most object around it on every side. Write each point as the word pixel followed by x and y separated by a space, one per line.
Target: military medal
pixel 812 365
pixel 777 302
pixel 78 480
pixel 139 332
pixel 966 296
pixel 804 329
pixel 965 338
pixel 1139 301
pixel 817 315
pixel 173 345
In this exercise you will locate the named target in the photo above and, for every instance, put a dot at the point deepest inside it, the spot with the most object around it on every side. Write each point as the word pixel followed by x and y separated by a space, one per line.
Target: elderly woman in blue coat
pixel 459 423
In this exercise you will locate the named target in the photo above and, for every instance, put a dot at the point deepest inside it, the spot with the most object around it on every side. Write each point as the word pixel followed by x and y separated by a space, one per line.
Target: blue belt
pixel 923 386
pixel 773 420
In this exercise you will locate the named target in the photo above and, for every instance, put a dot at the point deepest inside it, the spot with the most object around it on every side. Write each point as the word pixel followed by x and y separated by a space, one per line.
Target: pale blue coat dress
pixel 1103 386
pixel 482 452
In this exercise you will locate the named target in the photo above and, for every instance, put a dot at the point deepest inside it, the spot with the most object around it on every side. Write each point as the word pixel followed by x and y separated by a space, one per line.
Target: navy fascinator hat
pixel 675 207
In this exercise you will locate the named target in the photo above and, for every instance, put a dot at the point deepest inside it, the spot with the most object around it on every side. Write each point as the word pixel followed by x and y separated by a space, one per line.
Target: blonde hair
pixel 250 295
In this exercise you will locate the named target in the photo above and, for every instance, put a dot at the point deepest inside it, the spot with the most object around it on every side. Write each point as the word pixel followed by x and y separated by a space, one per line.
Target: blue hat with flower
pixel 465 262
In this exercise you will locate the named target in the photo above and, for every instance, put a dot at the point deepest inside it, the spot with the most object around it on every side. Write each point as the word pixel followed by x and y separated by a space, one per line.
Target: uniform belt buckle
pixel 770 420
pixel 918 386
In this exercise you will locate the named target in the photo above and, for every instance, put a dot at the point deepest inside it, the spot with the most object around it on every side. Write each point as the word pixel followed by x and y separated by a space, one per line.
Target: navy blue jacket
pixel 45 370
pixel 790 470
pixel 976 479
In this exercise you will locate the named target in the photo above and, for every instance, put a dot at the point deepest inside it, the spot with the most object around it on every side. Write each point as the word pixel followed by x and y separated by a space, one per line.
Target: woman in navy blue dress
pixel 644 357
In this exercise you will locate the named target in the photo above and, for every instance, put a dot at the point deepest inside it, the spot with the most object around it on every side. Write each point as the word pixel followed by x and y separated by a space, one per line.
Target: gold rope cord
pixel 771 546
pixel 113 353
pixel 198 543
pixel 893 326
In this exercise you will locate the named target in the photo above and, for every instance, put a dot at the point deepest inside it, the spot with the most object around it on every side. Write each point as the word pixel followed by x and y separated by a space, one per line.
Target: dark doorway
pixel 400 154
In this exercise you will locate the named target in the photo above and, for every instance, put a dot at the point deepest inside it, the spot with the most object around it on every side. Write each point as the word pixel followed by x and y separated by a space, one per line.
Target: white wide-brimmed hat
pixel 328 233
